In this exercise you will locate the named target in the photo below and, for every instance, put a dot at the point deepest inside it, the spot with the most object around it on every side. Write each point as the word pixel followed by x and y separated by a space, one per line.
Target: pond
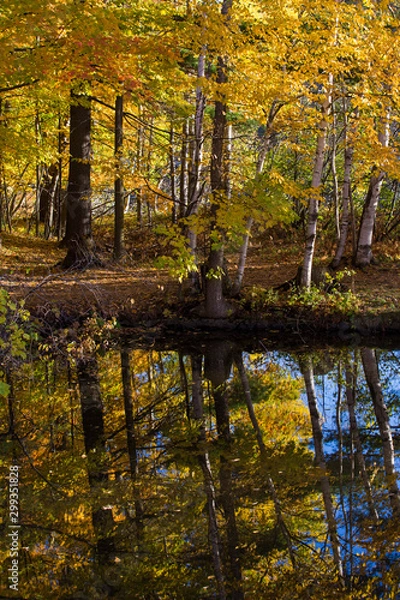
pixel 213 469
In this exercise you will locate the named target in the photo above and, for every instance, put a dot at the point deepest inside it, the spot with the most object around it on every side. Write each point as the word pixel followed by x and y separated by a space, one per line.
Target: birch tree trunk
pixel 364 255
pixel 370 365
pixel 183 175
pixel 350 378
pixel 265 147
pixel 195 188
pixel 306 367
pixel 313 203
pixel 346 197
pixel 172 175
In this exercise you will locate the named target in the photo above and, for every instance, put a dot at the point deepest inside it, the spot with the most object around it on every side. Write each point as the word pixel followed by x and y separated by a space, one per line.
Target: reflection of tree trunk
pixel 197 387
pixel 93 430
pixel 351 379
pixel 131 437
pixel 10 401
pixel 247 394
pixel 306 367
pixel 218 367
pixel 370 365
pixel 184 384
pixel 209 488
pixel 271 487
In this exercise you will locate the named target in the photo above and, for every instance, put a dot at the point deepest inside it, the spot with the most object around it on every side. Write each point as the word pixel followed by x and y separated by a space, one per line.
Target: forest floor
pixel 136 291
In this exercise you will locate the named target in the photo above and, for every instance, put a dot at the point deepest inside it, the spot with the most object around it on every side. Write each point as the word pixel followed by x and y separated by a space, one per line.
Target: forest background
pixel 187 132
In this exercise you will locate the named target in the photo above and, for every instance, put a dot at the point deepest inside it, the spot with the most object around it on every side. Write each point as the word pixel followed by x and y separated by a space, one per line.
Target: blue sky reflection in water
pixel 199 474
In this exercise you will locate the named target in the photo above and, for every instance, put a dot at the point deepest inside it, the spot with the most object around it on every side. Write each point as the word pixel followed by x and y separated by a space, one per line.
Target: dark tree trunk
pixel 131 438
pixel 208 479
pixel 93 430
pixel 78 234
pixel 119 204
pixel 215 305
pixel 218 366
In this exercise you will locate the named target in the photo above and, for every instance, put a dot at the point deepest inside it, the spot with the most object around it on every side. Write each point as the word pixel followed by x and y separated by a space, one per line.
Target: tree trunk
pixel 265 147
pixel 208 480
pixel 364 256
pixel 261 445
pixel 217 369
pixel 93 429
pixel 197 152
pixel 172 175
pixel 38 177
pixel 306 367
pixel 355 436
pixel 140 167
pixel 195 189
pixel 78 235
pixel 313 203
pixel 119 200
pixel 131 438
pixel 370 365
pixel 346 198
pixel 183 175
pixel 336 194
pixel 215 304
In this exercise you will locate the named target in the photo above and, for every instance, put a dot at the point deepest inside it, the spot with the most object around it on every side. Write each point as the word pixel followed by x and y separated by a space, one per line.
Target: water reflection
pixel 208 472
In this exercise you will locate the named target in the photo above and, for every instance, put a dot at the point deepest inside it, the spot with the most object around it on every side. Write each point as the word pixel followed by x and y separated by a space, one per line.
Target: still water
pixel 216 470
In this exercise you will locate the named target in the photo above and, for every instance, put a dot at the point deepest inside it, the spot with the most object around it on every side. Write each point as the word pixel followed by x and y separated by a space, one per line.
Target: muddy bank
pixel 279 324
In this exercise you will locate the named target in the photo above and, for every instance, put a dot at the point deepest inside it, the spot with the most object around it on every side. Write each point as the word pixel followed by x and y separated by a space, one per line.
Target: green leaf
pixel 4 389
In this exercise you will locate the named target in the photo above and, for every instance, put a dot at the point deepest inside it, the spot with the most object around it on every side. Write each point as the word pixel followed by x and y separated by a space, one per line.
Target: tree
pixel 364 255
pixel 78 234
pixel 370 364
pixel 215 304
pixel 308 374
pixel 119 196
